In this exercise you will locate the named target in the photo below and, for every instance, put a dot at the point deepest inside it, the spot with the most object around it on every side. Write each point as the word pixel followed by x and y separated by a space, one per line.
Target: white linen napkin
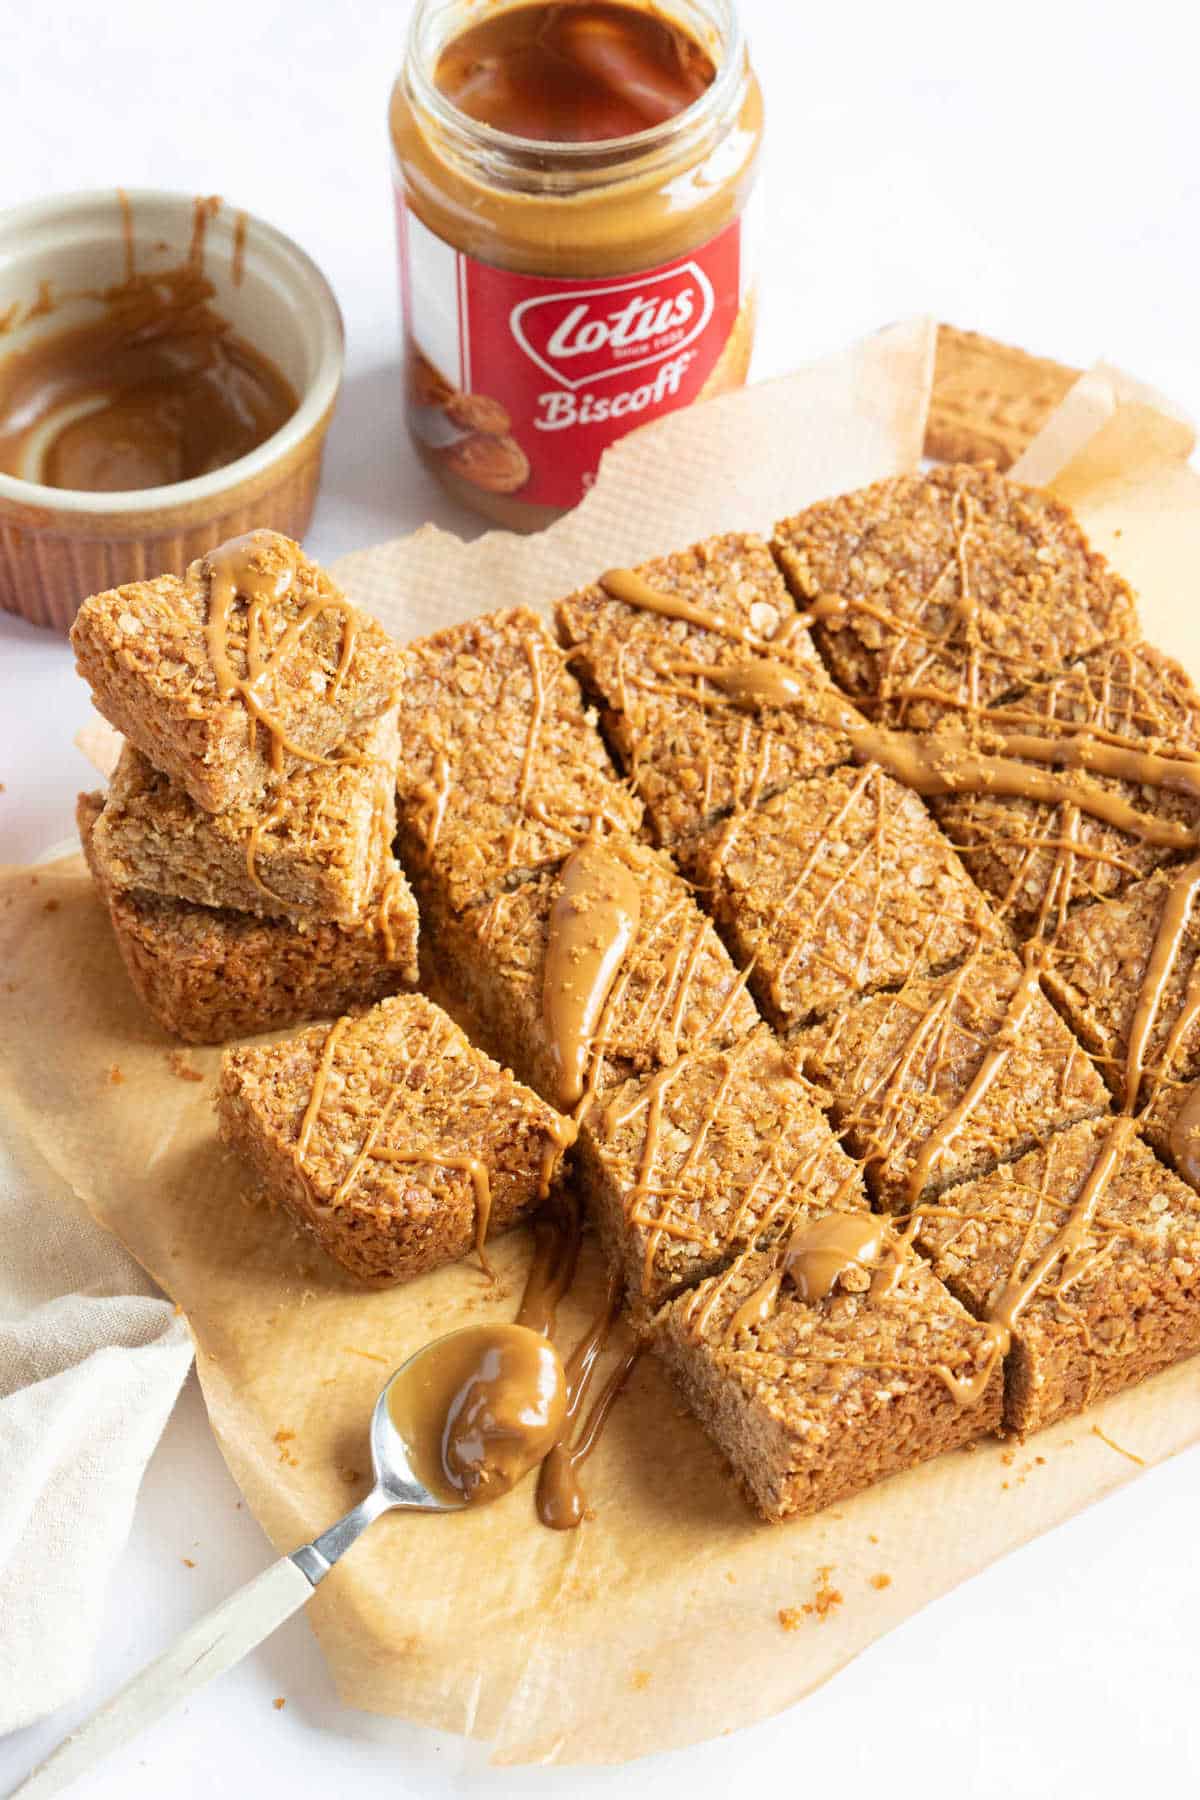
pixel 92 1359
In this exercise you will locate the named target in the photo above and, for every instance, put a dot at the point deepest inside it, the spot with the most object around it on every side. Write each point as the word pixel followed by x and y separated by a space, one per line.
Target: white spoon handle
pixel 210 1647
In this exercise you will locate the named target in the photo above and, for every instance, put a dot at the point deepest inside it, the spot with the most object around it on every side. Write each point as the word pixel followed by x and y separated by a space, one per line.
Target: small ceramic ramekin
pixel 58 545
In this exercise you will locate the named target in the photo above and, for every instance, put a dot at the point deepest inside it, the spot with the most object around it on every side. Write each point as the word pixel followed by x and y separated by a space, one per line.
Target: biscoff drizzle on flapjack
pixel 621 976
pixel 514 778
pixel 957 767
pixel 950 761
pixel 1121 726
pixel 898 755
pixel 236 572
pixel 789 1163
pixel 392 888
pixel 954 588
pixel 597 929
pixel 559 1133
pixel 840 860
pixel 1084 1240
pixel 815 1261
pixel 560 1498
pixel 593 924
pixel 733 770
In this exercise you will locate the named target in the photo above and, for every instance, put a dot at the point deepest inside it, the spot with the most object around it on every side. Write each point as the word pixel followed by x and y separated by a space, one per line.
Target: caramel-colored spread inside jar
pixel 570 180
pixel 575 73
pixel 154 390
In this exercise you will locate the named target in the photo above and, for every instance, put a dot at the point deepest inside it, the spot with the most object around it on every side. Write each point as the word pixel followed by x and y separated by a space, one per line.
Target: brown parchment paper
pixel 658 1623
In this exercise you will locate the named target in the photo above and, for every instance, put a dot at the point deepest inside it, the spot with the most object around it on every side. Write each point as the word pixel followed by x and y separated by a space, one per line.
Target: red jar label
pixel 519 383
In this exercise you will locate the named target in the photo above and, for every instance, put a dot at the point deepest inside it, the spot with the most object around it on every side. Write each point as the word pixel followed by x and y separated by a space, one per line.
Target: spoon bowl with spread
pixel 457 1426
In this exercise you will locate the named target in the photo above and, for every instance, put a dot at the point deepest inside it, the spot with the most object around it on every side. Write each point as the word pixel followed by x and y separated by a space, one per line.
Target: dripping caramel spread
pixel 593 923
pixel 751 684
pixel 251 666
pixel 579 72
pixel 561 1503
pixel 945 763
pixel 813 1399
pixel 676 987
pixel 478 1410
pixel 157 389
pixel 823 1253
pixel 720 1151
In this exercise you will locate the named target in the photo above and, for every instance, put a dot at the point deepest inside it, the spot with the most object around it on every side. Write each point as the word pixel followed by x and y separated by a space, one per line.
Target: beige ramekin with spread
pixel 59 257
pixel 557 294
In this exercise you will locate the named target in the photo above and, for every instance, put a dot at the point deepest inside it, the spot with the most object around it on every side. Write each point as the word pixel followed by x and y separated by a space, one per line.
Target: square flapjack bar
pixel 209 974
pixel 1124 974
pixel 952 1075
pixel 1088 1250
pixel 712 694
pixel 956 588
pixel 529 962
pixel 1121 729
pixel 721 1152
pixel 310 846
pixel 390 1138
pixel 838 886
pixel 502 767
pixel 253 664
pixel 831 1366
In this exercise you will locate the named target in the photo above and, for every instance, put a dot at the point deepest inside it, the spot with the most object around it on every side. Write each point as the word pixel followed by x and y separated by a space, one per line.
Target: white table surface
pixel 1029 170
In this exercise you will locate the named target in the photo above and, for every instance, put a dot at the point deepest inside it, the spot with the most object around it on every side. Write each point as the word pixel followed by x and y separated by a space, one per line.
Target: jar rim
pixel 549 158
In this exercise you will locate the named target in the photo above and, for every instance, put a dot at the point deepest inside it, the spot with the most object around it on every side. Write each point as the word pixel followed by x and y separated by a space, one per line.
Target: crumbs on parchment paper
pixel 824 1600
pixel 179 1065
pixel 282 1439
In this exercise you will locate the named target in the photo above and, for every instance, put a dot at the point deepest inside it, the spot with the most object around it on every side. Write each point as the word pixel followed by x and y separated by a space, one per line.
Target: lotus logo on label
pixel 579 338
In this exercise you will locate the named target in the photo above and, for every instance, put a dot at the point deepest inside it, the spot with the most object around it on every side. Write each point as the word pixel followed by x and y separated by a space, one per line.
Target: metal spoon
pixel 404 1479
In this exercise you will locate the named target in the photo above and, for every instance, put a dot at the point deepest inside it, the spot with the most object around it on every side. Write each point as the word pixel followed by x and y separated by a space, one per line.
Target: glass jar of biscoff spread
pixel 571 184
